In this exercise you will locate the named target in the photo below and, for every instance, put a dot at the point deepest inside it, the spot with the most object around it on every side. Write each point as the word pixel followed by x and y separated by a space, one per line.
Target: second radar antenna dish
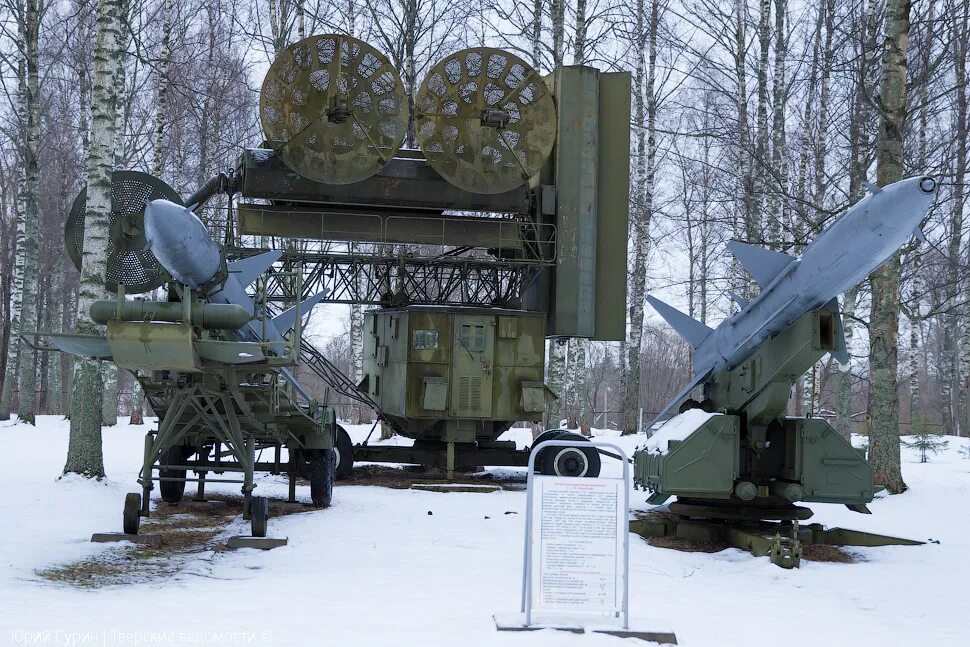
pixel 486 120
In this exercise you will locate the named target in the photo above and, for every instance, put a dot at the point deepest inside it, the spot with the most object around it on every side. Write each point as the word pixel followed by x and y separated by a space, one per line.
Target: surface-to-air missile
pixel 214 364
pixel 860 241
pixel 184 247
pixel 735 457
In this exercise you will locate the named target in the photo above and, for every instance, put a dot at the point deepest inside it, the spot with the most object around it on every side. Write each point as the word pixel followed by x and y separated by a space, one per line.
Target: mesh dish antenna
pixel 129 262
pixel 486 120
pixel 333 108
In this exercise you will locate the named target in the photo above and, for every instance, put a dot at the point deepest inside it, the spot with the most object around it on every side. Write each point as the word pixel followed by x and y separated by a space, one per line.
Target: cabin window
pixel 424 339
pixel 472 337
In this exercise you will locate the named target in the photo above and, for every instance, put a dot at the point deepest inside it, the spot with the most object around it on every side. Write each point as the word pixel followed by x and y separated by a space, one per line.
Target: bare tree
pixel 84 455
pixel 883 411
pixel 645 125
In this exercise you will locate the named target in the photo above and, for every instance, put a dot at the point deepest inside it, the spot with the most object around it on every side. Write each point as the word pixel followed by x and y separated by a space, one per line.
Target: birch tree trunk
pixel 580 383
pixel 54 316
pixel 536 34
pixel 779 144
pixel 761 144
pixel 951 319
pixel 883 409
pixel 12 369
pixel 915 415
pixel 28 312
pixel 579 45
pixel 84 447
pixel 558 8
pixel 557 380
pixel 961 50
pixel 556 371
pixel 300 19
pixel 161 101
pixel 843 411
pixel 859 120
pixel 749 222
pixel 410 71
pixel 645 113
pixel 137 416
pixel 109 370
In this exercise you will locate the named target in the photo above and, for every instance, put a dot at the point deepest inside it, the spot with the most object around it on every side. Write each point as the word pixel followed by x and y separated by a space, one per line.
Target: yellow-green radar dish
pixel 486 120
pixel 333 108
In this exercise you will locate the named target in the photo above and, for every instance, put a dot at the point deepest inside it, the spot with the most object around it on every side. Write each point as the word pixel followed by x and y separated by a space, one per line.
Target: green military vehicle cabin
pixel 454 379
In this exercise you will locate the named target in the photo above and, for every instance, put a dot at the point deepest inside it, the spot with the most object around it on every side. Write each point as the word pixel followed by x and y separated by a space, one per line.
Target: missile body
pixel 856 244
pixel 183 246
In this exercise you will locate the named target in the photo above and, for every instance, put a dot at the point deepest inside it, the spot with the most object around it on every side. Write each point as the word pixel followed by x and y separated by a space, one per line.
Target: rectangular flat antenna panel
pixel 577 157
pixel 613 206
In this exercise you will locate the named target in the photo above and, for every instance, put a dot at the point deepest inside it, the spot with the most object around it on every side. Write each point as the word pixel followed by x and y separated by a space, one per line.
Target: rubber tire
pixel 173 491
pixel 550 456
pixel 322 472
pixel 549 434
pixel 258 515
pixel 132 515
pixel 345 453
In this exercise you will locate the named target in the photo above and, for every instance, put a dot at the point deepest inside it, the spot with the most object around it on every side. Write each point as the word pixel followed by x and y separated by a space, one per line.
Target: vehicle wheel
pixel 321 476
pixel 571 461
pixel 551 434
pixel 258 514
pixel 132 517
pixel 344 454
pixel 172 491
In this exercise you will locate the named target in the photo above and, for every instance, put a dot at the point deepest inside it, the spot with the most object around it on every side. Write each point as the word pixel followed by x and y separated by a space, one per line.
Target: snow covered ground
pixel 377 569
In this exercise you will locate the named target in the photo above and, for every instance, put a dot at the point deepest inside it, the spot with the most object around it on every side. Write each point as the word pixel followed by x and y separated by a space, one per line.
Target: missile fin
pixel 287 319
pixel 248 269
pixel 84 345
pixel 920 236
pixel 741 301
pixel 763 264
pixel 841 352
pixel 693 331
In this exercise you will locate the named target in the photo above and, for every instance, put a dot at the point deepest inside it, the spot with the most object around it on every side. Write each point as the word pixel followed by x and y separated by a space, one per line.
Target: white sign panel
pixel 578 545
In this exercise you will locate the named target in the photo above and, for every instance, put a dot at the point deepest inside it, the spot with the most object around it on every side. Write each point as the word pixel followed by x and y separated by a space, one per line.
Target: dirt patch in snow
pixel 190 531
pixel 686 546
pixel 824 553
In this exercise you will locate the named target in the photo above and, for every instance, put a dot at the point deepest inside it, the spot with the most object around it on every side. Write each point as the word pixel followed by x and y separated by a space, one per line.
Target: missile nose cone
pixel 181 243
pixel 161 217
pixel 927 184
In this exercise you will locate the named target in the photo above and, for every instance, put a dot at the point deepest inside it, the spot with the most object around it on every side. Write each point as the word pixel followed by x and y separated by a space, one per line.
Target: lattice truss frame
pixel 386 280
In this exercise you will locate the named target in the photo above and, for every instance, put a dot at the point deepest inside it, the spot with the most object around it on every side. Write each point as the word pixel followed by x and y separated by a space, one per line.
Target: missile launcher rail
pixel 744 464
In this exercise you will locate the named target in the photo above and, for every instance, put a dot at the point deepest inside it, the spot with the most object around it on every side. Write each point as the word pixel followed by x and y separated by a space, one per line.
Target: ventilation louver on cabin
pixel 470 393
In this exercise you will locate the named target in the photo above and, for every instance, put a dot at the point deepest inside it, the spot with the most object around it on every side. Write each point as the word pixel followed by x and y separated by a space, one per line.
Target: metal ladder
pixel 334 377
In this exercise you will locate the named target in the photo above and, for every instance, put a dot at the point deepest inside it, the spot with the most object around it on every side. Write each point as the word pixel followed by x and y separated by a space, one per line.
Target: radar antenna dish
pixel 333 108
pixel 486 120
pixel 130 264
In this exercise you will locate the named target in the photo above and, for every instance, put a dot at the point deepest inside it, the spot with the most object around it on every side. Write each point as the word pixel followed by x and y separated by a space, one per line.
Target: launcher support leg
pixel 292 469
pixel 200 490
pixel 450 459
pixel 201 457
pixel 146 481
pixel 248 486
